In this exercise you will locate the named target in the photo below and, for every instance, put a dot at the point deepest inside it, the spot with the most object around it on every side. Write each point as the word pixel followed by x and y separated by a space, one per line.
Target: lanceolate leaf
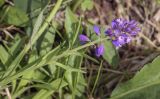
pixel 145 84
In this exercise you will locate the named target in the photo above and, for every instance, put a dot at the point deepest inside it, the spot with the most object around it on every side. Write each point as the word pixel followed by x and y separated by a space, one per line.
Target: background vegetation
pixel 42 58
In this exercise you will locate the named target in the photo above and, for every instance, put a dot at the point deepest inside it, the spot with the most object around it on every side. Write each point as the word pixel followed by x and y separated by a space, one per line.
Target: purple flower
pixel 96 29
pixel 116 43
pixel 83 38
pixel 99 50
pixel 122 31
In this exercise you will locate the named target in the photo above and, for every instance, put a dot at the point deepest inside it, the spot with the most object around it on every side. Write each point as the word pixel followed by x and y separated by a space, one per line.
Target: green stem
pixel 77 31
pixel 99 70
pixel 89 44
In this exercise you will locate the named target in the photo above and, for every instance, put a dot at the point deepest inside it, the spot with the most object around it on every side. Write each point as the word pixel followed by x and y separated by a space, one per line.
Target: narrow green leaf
pixel 37 24
pixel 44 86
pixel 56 85
pixel 4 55
pixel 69 79
pixel 17 44
pixel 68 67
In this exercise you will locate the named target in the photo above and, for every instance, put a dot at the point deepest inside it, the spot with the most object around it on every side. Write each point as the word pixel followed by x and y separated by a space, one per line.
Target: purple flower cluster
pixel 120 33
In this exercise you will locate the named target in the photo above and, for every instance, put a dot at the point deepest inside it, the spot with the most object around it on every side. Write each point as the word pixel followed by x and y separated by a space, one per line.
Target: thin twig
pixel 145 61
pixel 149 41
pixel 154 25
pixel 8 93
pixel 97 7
pixel 97 78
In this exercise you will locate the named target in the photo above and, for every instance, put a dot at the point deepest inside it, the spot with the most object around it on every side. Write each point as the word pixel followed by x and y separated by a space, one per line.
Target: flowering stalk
pixel 99 48
pixel 120 33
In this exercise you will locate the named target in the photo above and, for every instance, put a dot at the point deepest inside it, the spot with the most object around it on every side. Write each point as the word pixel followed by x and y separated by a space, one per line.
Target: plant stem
pixel 99 70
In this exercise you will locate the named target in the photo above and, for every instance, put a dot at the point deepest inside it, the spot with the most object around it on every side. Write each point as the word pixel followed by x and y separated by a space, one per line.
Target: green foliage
pixel 110 53
pixel 47 58
pixel 83 4
pixel 1 2
pixel 56 85
pixel 15 16
pixel 45 65
pixel 31 6
pixel 144 85
pixel 87 5
pixel 72 27
pixel 158 1
pixel 4 55
pixel 70 24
